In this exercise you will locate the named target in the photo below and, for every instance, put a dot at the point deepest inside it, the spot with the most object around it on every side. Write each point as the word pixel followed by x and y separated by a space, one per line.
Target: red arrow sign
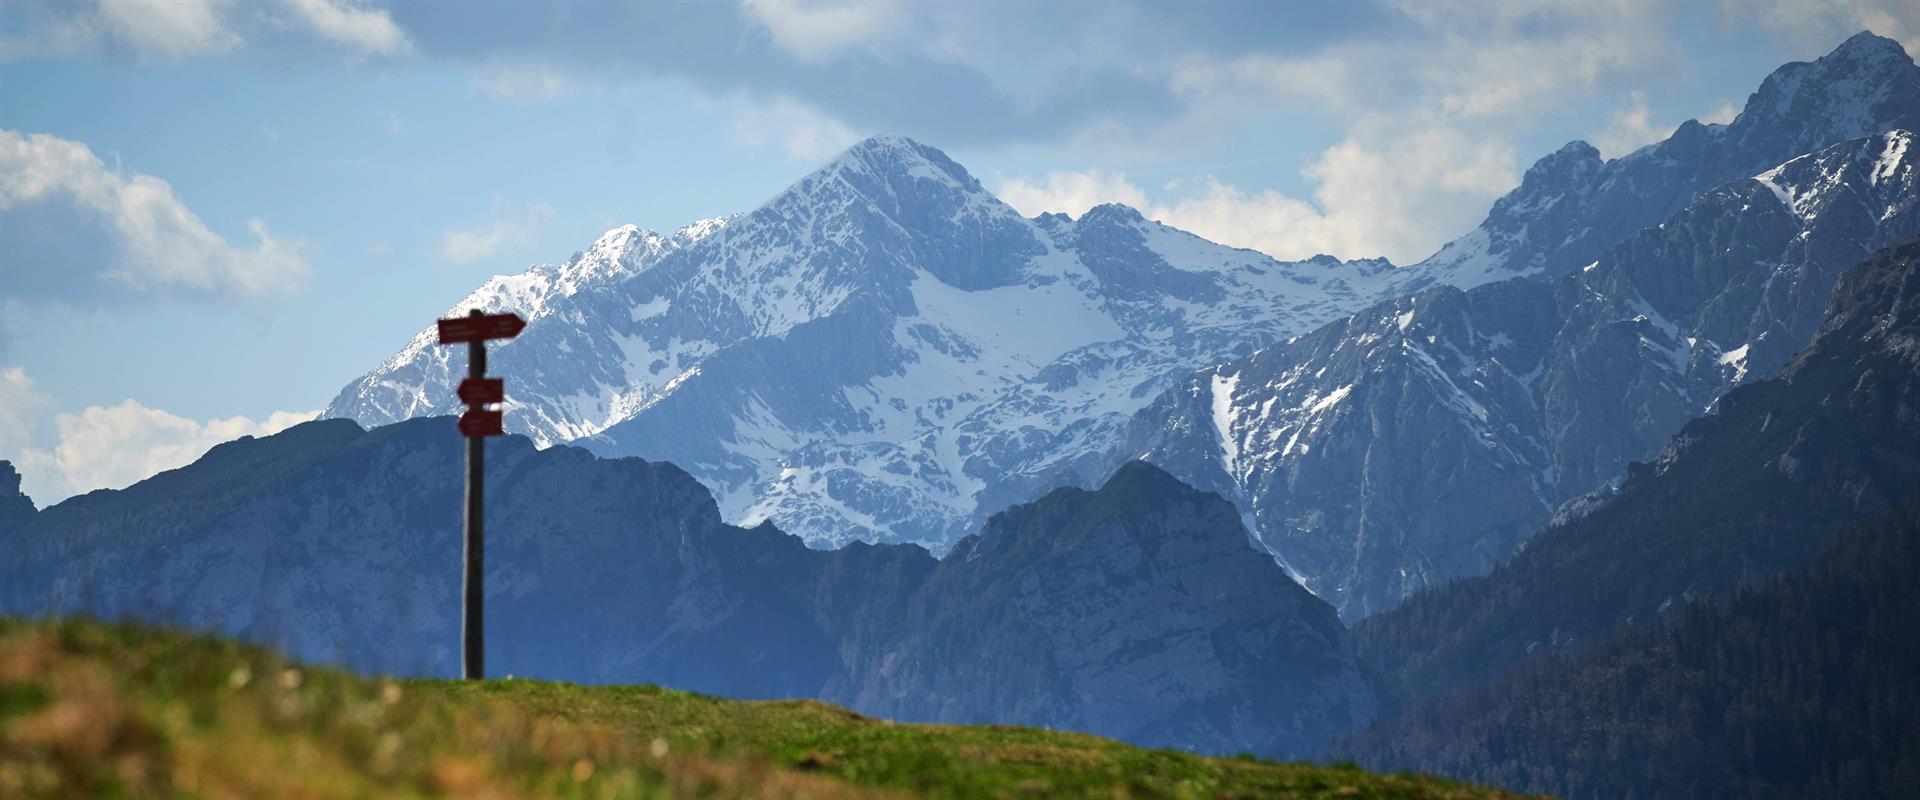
pixel 481 328
pixel 481 391
pixel 477 423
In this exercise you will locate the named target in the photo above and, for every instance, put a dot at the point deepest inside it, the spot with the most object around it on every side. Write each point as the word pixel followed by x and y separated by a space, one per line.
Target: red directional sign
pixel 481 328
pixel 481 391
pixel 477 391
pixel 475 424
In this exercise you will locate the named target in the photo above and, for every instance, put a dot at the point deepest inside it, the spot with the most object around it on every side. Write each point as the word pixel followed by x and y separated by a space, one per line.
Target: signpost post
pixel 477 391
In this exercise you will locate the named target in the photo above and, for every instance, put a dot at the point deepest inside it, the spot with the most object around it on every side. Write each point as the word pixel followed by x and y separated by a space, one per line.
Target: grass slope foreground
pixel 91 710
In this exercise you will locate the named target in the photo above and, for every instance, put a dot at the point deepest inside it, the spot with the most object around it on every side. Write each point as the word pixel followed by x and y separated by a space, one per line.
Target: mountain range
pixel 886 442
pixel 1572 205
pixel 1425 438
pixel 1737 496
pixel 1648 642
pixel 1136 611
pixel 885 352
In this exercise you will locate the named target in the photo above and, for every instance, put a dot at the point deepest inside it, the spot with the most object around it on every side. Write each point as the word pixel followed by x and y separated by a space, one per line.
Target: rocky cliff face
pixel 1137 611
pixel 1425 438
pixel 15 508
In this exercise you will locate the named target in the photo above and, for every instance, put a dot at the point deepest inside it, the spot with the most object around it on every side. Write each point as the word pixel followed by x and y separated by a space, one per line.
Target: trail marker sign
pixel 479 327
pixel 479 424
pixel 481 391
pixel 477 391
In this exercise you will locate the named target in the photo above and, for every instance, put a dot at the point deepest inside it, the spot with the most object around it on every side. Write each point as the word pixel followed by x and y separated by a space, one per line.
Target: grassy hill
pixel 94 710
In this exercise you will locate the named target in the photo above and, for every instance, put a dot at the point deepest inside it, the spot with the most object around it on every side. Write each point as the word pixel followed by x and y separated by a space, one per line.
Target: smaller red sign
pixel 481 391
pixel 477 423
pixel 481 328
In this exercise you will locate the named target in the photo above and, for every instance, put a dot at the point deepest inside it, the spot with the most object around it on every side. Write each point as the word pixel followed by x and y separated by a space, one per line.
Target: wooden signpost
pixel 477 391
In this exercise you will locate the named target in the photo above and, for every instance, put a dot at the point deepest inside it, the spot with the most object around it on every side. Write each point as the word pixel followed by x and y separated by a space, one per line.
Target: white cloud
pixel 1633 126
pixel 366 31
pixel 1340 82
pixel 112 447
pixel 1814 27
pixel 1265 220
pixel 172 29
pixel 465 246
pixel 176 30
pixel 1070 193
pixel 1400 188
pixel 522 82
pixel 1721 114
pixel 138 235
pixel 1630 128
pixel 802 130
pixel 819 31
pixel 22 409
pixel 1431 109
pixel 1492 59
pixel 143 29
pixel 1019 50
pixel 105 447
pixel 1375 195
pixel 1470 61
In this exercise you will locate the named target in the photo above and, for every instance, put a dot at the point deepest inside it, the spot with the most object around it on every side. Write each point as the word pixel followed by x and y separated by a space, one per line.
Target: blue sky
pixel 213 215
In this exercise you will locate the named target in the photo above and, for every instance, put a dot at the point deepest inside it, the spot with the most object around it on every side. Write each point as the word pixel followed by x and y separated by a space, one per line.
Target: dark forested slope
pixel 1808 686
pixel 1740 496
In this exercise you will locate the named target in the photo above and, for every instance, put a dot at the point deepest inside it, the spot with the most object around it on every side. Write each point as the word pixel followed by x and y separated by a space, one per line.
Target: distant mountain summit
pixel 882 352
pixel 1572 205
pixel 1425 438
pixel 394 390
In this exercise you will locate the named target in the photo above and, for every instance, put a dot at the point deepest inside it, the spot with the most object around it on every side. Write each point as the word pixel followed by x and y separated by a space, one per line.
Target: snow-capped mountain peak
pixel 628 249
pixel 1424 438
pixel 1865 83
pixel 616 255
pixel 886 351
pixel 1572 205
pixel 882 351
pixel 900 179
pixel 889 156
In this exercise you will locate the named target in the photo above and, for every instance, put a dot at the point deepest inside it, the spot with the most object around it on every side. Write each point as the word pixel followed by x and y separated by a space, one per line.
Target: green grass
pixel 94 710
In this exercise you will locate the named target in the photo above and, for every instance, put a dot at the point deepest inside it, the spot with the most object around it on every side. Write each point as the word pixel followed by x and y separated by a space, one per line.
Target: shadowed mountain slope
pixel 1806 686
pixel 1739 496
pixel 1137 610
